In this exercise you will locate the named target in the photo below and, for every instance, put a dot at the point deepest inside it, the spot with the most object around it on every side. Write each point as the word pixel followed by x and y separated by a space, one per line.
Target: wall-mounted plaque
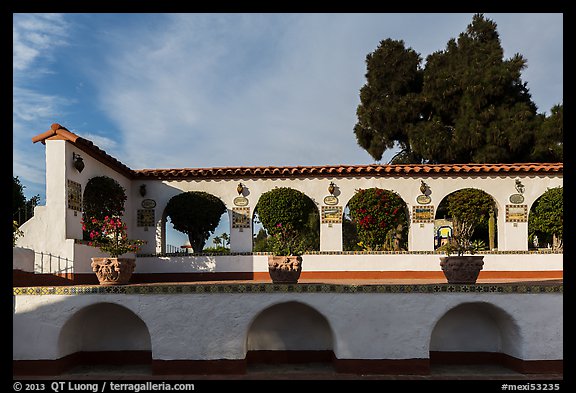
pixel 74 191
pixel 148 203
pixel 516 213
pixel 422 213
pixel 240 201
pixel 330 200
pixel 331 214
pixel 240 217
pixel 423 199
pixel 516 198
pixel 145 217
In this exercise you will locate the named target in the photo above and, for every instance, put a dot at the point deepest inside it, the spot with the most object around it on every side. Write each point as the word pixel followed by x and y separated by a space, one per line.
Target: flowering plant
pixel 111 237
pixel 285 240
pixel 380 218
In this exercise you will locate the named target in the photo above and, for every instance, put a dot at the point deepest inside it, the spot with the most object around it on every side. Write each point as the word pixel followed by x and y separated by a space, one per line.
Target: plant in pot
pixel 290 219
pixel 110 236
pixel 468 208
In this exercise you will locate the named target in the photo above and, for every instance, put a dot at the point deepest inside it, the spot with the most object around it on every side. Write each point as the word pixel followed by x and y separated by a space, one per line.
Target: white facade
pixel 211 325
pixel 56 228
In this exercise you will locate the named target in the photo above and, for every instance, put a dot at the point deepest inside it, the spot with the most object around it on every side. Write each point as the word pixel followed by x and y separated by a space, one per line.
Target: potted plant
pixel 110 236
pixel 468 208
pixel 289 217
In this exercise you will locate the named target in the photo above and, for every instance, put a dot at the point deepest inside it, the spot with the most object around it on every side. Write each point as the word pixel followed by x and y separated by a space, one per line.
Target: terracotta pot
pixel 285 269
pixel 113 271
pixel 463 269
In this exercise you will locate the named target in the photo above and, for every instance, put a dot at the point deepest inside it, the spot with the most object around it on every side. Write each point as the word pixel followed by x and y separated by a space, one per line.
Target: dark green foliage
pixel 469 208
pixel 197 214
pixel 380 218
pixel 546 219
pixel 291 221
pixel 22 209
pixel 467 104
pixel 549 142
pixel 103 196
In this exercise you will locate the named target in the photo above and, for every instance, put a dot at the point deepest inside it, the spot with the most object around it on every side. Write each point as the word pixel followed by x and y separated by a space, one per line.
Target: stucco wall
pixel 212 325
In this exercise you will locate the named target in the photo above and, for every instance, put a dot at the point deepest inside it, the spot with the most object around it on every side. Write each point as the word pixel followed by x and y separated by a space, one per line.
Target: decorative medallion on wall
pixel 516 213
pixel 145 217
pixel 331 214
pixel 330 200
pixel 516 198
pixel 74 191
pixel 423 199
pixel 240 217
pixel 241 201
pixel 422 213
pixel 148 203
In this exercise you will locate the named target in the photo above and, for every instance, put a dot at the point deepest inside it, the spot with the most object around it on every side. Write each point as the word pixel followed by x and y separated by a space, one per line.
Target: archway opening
pixel 484 235
pixel 473 334
pixel 375 220
pixel 107 335
pixel 290 333
pixel 287 207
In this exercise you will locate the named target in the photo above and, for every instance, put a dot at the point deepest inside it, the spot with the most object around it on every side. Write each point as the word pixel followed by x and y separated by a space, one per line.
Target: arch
pixel 259 233
pixel 474 332
pixel 538 237
pixel 395 240
pixel 167 230
pixel 443 229
pixel 103 196
pixel 101 328
pixel 289 332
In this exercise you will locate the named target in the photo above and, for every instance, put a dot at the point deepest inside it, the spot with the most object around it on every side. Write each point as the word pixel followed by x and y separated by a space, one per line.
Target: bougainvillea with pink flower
pixel 110 236
pixel 380 218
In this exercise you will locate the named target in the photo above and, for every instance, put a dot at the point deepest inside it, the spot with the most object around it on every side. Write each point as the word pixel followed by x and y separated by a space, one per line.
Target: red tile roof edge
pixel 59 132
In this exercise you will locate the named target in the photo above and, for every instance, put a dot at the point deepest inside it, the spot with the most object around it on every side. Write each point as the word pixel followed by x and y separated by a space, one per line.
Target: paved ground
pixel 306 371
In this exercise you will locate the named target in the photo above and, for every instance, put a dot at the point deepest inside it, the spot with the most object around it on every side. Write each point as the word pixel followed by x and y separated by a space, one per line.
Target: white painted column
pixel 331 237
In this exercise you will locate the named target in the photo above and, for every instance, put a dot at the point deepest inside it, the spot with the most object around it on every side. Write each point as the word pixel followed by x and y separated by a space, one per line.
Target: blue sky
pixel 204 90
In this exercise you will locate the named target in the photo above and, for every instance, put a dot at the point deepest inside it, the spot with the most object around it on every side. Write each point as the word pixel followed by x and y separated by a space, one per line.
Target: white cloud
pixel 34 36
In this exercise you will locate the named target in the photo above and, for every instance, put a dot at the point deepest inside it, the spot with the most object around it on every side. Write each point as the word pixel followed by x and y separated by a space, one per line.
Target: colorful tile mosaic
pixel 422 214
pixel 516 213
pixel 145 218
pixel 160 289
pixel 241 217
pixel 74 195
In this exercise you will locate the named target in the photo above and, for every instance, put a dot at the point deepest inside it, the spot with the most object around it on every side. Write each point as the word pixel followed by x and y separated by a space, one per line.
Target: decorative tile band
pixel 289 288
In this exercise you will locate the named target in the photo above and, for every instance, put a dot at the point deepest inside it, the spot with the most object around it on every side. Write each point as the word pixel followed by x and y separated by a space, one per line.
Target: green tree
pixel 469 209
pixel 546 218
pixel 548 146
pixel 290 219
pixel 197 214
pixel 22 208
pixel 467 104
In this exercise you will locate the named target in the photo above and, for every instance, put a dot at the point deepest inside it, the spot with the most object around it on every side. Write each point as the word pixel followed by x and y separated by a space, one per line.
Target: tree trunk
pixel 196 243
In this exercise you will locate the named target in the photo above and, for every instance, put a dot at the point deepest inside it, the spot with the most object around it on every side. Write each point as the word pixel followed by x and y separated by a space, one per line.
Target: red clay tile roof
pixel 58 132
pixel 344 170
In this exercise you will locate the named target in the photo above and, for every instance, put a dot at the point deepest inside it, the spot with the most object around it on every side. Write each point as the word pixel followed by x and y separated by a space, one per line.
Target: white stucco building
pixel 180 326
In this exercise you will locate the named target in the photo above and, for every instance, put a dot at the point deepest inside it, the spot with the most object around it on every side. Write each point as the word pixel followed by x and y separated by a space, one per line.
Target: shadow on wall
pixel 290 332
pixel 476 333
